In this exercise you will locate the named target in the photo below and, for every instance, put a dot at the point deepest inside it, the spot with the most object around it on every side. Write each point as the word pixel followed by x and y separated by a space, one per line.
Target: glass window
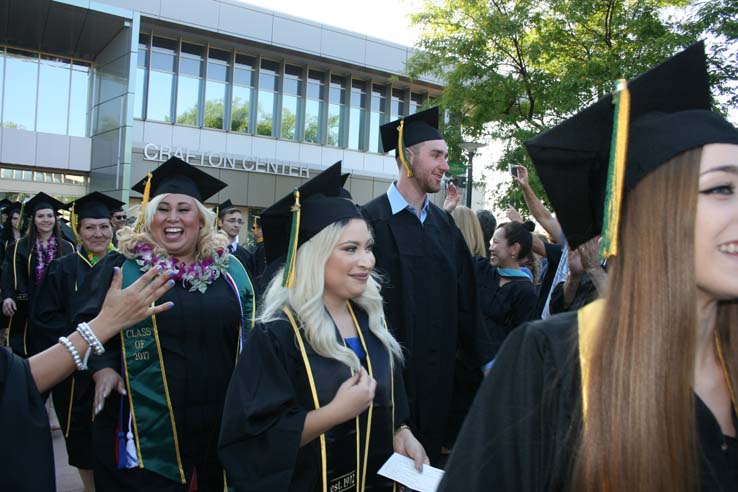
pixel 243 92
pixel 336 111
pixel 314 106
pixel 79 102
pixel 160 96
pixel 162 54
pixel 19 94
pixel 188 98
pixel 291 101
pixel 356 115
pixel 142 66
pixel 53 95
pixel 190 60
pixel 268 86
pixel 416 101
pixel 377 117
pixel 216 88
pixel 397 104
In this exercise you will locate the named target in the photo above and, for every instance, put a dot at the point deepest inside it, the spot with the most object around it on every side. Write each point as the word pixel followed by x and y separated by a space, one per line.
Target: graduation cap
pixel 176 176
pixel 43 201
pixel 4 204
pixel 94 205
pixel 410 130
pixel 224 207
pixel 343 192
pixel 590 161
pixel 297 217
pixel 14 207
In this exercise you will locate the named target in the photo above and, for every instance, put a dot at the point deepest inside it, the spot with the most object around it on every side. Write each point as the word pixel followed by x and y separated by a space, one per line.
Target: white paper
pixel 402 470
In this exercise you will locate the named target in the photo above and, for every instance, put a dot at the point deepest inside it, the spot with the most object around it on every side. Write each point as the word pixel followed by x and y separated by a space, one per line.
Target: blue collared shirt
pixel 398 203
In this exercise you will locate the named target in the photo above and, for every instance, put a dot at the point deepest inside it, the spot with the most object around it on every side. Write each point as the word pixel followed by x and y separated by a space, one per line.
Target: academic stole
pixel 157 445
pixel 357 480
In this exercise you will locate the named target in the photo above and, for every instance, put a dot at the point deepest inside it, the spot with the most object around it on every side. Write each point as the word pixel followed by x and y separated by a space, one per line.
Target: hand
pixel 522 177
pixel 590 253
pixel 354 396
pixel 574 258
pixel 452 197
pixel 106 380
pixel 9 307
pixel 126 307
pixel 406 444
pixel 513 214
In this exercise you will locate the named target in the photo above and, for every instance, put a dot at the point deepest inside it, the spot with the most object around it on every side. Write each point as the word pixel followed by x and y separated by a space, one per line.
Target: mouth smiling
pixel 173 233
pixel 729 248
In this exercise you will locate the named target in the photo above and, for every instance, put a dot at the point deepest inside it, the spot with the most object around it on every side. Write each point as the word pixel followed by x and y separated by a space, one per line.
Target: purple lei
pixel 197 276
pixel 44 256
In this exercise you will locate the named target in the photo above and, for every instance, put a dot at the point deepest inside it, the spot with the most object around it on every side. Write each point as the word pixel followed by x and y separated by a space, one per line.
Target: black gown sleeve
pixel 6 283
pixel 262 419
pixel 26 451
pixel 512 437
pixel 91 296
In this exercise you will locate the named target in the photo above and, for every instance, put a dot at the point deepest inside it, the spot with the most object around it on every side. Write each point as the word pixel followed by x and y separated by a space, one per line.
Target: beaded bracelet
pixel 86 332
pixel 73 352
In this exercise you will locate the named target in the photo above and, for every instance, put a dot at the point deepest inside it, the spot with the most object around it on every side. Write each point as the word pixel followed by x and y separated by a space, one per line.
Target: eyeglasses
pixel 120 217
pixel 234 221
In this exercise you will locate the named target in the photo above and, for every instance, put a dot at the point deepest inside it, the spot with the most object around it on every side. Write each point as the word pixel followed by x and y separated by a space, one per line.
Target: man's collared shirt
pixel 398 203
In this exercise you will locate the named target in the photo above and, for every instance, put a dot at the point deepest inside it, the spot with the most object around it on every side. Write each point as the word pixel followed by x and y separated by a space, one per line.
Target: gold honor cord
pixel 616 170
pixel 401 149
pixel 73 220
pixel 69 415
pixel 314 391
pixel 371 405
pixel 130 401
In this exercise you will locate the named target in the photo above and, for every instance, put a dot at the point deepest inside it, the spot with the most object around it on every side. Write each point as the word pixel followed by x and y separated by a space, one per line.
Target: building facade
pixel 96 93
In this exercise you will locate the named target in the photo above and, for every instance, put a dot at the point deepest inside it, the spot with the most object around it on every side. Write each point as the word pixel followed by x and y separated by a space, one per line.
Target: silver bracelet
pixel 73 352
pixel 86 332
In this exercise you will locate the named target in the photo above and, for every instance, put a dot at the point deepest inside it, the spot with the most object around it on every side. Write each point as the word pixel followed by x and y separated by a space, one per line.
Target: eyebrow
pixel 355 243
pixel 728 168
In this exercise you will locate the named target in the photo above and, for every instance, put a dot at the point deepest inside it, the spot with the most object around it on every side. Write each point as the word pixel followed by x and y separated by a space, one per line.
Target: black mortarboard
pixel 42 201
pixel 669 113
pixel 176 176
pixel 4 203
pixel 14 207
pixel 343 192
pixel 410 130
pixel 95 205
pixel 320 205
pixel 224 207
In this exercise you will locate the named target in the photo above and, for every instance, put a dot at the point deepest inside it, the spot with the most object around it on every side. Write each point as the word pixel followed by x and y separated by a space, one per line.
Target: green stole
pixel 157 445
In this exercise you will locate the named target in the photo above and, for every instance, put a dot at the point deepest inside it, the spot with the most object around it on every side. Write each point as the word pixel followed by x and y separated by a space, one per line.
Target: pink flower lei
pixel 197 276
pixel 44 256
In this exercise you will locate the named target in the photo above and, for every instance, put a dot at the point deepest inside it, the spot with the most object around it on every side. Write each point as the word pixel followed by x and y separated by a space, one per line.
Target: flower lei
pixel 44 256
pixel 197 275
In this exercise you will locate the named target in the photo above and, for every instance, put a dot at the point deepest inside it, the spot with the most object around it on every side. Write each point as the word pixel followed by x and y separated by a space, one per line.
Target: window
pixel 291 102
pixel 53 95
pixel 336 111
pixel 161 79
pixel 19 94
pixel 357 114
pixel 378 116
pixel 314 106
pixel 244 73
pixel 142 69
pixel 268 87
pixel 79 98
pixel 416 101
pixel 216 88
pixel 397 104
pixel 189 82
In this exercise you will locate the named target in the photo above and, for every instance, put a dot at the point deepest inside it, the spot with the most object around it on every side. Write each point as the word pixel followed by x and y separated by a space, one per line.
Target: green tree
pixel 513 68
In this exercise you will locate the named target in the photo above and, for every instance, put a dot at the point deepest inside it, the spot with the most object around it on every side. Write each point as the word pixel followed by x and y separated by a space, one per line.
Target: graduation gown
pixel 431 304
pixel 269 398
pixel 52 317
pixel 19 284
pixel 521 433
pixel 26 452
pixel 199 342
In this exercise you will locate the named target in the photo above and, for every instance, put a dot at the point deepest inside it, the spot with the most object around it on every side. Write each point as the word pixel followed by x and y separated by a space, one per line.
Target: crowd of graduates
pixel 601 355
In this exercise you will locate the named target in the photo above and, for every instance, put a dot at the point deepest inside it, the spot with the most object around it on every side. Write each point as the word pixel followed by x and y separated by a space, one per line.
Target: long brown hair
pixel 468 224
pixel 639 432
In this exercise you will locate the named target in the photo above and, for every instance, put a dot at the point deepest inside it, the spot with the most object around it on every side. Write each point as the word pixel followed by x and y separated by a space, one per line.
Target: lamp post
pixel 471 150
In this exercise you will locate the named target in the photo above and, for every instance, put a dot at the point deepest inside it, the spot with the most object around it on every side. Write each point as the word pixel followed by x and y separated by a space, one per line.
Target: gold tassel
pixel 401 149
pixel 217 212
pixel 144 202
pixel 616 172
pixel 73 222
pixel 288 279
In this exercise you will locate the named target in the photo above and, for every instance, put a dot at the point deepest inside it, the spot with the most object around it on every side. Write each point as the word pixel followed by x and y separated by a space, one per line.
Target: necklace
pixel 45 254
pixel 196 276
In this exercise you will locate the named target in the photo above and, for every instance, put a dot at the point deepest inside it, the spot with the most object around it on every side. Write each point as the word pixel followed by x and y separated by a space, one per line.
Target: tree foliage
pixel 513 68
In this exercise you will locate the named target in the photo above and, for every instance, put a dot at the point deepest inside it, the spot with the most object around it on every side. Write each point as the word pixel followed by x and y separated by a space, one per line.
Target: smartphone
pixel 514 170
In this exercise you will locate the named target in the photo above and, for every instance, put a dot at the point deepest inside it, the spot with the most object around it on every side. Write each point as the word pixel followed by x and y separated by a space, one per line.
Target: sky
pixel 370 18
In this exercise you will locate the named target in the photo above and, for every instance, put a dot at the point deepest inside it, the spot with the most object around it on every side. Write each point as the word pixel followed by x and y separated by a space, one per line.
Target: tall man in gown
pixel 429 289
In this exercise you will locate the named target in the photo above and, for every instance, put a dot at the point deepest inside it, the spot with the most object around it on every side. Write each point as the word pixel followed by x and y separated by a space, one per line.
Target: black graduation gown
pixel 19 284
pixel 52 317
pixel 431 304
pixel 199 342
pixel 26 452
pixel 269 398
pixel 256 261
pixel 521 432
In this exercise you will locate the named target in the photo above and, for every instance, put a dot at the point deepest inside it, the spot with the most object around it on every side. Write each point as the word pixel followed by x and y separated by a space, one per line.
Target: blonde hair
pixel 208 242
pixel 643 360
pixel 468 224
pixel 305 299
